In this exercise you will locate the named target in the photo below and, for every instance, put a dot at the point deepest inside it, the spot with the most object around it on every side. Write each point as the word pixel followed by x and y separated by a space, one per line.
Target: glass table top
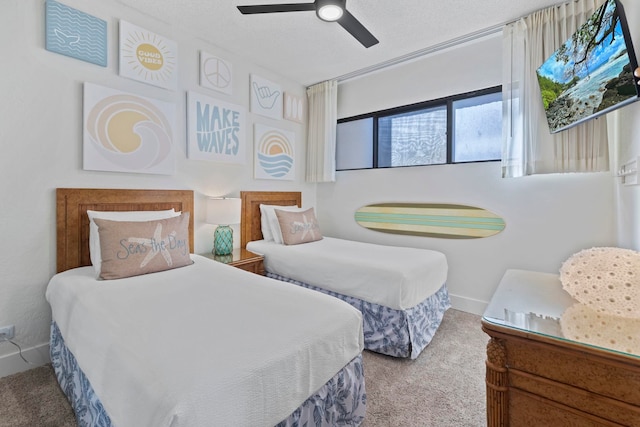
pixel 536 302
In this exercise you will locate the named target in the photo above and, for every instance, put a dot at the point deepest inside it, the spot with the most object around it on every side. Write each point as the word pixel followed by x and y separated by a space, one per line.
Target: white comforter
pixel 395 277
pixel 202 345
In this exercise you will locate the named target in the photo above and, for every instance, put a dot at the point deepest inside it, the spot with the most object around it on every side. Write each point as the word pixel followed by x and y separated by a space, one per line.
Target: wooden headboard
pixel 72 222
pixel 250 228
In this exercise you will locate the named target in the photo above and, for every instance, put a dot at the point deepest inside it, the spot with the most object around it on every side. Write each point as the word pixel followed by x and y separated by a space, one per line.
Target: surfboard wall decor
pixel 448 221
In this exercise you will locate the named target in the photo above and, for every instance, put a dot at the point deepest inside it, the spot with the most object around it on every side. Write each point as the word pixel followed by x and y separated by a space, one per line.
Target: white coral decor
pixel 583 324
pixel 605 279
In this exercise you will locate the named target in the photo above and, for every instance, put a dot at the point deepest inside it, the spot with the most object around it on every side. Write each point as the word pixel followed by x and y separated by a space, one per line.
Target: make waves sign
pixel 215 130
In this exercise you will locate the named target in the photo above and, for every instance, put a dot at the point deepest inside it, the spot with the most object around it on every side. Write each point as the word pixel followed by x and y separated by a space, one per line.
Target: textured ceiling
pixel 307 50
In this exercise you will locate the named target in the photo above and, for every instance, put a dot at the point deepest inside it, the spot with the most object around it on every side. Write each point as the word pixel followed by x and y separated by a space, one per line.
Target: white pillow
pixel 137 216
pixel 264 224
pixel 275 224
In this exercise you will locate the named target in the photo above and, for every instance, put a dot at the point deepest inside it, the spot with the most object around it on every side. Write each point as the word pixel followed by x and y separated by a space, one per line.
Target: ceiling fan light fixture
pixel 326 10
pixel 330 11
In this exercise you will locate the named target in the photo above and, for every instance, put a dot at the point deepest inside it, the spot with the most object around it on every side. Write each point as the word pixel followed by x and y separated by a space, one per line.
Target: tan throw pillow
pixel 298 227
pixel 135 248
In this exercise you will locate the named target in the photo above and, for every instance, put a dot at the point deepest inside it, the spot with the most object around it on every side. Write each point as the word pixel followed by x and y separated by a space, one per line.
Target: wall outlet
pixel 7 332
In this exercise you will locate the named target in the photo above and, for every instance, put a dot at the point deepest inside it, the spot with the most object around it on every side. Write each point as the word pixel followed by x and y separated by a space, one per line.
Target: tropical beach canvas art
pixel 591 73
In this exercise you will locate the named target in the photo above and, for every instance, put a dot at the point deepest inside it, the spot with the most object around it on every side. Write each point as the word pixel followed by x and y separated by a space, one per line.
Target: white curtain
pixel 321 135
pixel 528 146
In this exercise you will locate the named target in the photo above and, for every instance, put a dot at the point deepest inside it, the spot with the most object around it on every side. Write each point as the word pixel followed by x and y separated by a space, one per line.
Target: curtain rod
pixel 419 53
pixel 435 48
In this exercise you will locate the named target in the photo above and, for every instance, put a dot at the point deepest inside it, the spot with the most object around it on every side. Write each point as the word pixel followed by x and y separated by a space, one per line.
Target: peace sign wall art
pixel 216 73
pixel 148 57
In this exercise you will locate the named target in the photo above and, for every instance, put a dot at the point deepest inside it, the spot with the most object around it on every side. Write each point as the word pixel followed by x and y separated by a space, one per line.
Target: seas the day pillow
pixel 132 248
pixel 298 227
pixel 94 238
pixel 269 222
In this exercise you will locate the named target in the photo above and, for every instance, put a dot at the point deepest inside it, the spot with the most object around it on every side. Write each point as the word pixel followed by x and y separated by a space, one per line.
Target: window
pixel 457 129
pixel 358 153
pixel 477 128
pixel 414 138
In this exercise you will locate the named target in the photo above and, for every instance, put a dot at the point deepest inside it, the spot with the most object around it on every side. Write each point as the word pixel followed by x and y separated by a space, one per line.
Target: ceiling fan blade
pixel 357 30
pixel 273 8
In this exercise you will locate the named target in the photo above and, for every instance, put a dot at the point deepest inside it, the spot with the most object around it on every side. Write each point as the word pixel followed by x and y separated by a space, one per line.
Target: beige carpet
pixel 33 399
pixel 444 387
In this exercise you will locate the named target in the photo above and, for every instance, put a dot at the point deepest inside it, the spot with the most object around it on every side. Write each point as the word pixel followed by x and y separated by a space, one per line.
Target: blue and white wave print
pixel 277 165
pixel 76 34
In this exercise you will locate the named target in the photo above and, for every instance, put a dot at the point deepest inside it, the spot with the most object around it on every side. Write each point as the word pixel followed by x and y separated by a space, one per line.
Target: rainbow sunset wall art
pixel 274 153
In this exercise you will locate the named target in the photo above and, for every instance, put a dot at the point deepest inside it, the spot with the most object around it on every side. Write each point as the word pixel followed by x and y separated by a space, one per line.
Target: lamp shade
pixel 223 211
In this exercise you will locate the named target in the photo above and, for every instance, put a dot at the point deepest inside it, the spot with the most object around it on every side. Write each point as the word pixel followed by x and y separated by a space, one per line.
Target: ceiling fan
pixel 327 10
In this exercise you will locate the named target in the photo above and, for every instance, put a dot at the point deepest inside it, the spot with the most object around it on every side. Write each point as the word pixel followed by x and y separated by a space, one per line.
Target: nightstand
pixel 241 258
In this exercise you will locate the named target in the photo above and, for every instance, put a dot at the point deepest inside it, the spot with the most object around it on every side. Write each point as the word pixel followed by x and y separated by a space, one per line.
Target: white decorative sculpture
pixel 606 283
pixel 604 279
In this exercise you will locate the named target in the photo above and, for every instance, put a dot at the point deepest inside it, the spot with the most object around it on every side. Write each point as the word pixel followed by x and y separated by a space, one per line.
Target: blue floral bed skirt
pixel 399 333
pixel 340 402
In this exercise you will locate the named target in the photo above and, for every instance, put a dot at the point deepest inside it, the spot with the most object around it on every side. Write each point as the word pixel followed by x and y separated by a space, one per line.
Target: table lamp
pixel 223 212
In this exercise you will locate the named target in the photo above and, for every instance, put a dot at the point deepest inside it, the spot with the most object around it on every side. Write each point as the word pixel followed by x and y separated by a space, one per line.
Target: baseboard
pixel 468 305
pixel 12 363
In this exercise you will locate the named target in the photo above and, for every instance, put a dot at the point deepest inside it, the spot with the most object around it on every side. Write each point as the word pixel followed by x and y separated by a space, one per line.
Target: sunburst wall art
pixel 148 57
pixel 124 132
pixel 76 34
pixel 274 153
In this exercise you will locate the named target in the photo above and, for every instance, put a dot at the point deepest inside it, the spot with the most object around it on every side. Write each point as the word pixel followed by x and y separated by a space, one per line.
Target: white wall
pixel 548 217
pixel 627 135
pixel 41 137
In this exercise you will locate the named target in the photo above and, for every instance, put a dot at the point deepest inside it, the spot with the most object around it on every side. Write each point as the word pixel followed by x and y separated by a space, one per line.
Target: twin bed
pixel 198 342
pixel 401 292
pixel 201 344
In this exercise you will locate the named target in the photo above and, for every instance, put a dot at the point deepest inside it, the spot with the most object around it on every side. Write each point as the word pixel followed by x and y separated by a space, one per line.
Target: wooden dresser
pixel 536 377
